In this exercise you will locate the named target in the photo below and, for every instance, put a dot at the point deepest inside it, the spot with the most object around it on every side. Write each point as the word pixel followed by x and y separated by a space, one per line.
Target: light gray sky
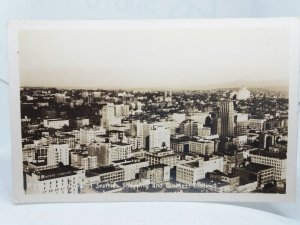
pixel 152 58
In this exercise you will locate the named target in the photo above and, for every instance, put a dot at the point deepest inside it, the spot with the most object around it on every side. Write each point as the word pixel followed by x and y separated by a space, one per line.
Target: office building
pixel 104 174
pixel 204 131
pixel 58 153
pixel 278 160
pixel 203 147
pixel 60 180
pixel 190 127
pixel 241 128
pixel 256 124
pixel 158 173
pixel 107 152
pixel 162 157
pixel 55 123
pixel 263 174
pixel 88 135
pixel 226 115
pixel 191 171
pixel 131 167
pixel 159 137
pixel 107 114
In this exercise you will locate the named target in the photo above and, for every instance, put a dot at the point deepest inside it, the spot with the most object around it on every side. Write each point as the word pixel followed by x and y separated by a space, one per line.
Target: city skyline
pixel 151 58
pixel 156 142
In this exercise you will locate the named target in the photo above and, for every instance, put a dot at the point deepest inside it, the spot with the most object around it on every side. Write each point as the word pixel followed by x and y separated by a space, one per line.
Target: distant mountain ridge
pixel 280 85
pixel 276 85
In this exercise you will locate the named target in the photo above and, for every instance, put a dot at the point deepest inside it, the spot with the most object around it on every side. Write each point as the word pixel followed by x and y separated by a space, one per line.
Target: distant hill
pixel 276 85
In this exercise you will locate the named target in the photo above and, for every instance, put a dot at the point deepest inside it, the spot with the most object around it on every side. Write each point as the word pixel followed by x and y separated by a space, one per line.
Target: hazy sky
pixel 152 58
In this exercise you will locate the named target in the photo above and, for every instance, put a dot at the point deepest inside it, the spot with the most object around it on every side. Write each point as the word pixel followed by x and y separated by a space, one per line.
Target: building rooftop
pixel 255 167
pixel 194 164
pixel 120 144
pixel 218 172
pixel 55 119
pixel 60 171
pixel 129 161
pixel 181 139
pixel 202 141
pixel 28 149
pixel 100 170
pixel 156 166
pixel 28 142
pixel 103 135
pixel 270 154
pixel 162 153
pixel 39 163
pixel 65 135
pixel 116 131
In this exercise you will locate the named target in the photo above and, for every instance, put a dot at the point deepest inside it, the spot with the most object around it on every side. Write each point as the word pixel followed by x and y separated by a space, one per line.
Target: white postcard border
pixel 15 26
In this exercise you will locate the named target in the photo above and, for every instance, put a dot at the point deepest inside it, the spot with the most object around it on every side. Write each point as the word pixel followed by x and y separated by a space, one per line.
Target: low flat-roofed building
pixel 139 153
pixel 104 174
pixel 63 138
pixel 131 167
pixel 59 180
pixel 191 171
pixel 257 124
pixel 263 174
pixel 38 166
pixel 278 160
pixel 158 173
pixel 82 121
pixel 232 179
pixel 180 144
pixel 163 156
pixel 203 147
pixel 55 123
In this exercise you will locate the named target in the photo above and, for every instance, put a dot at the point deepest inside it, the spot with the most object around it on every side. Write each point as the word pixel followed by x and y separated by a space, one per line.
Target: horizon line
pixel 261 84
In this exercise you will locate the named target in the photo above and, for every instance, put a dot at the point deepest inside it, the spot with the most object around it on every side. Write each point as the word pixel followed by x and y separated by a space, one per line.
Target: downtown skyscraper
pixel 226 115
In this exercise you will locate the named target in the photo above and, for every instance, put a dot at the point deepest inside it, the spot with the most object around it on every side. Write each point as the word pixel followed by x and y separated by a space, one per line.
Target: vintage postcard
pixel 154 110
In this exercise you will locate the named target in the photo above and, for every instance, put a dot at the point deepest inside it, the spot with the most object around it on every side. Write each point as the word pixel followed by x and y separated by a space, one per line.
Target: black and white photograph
pixel 174 110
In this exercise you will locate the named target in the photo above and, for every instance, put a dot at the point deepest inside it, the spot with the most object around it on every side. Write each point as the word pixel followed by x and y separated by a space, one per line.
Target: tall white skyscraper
pixel 159 137
pixel 141 130
pixel 108 113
